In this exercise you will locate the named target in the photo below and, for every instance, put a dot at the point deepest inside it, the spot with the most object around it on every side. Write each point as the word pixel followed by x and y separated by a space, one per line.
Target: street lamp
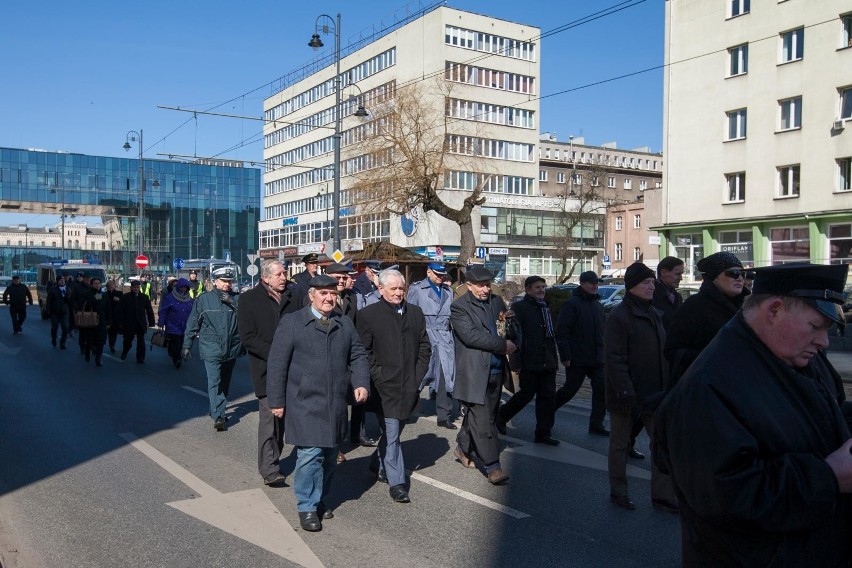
pixel 61 191
pixel 325 206
pixel 134 136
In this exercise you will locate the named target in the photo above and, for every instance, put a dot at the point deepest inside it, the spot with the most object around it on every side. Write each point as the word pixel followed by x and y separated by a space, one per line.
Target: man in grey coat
pixel 481 370
pixel 315 356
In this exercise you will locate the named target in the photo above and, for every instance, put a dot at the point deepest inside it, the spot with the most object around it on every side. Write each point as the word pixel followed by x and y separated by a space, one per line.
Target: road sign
pixel 251 258
pixel 337 255
pixel 480 252
pixel 251 270
pixel 606 265
pixel 498 251
pixel 606 259
pixel 177 263
pixel 141 261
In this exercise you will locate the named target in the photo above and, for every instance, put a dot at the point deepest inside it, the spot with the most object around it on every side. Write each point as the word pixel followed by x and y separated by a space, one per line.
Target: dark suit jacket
pixel 135 313
pixel 257 320
pixel 661 302
pixel 399 350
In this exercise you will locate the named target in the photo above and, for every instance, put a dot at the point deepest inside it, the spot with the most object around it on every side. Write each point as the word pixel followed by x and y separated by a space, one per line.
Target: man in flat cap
pixel 755 433
pixel 316 357
pixel 213 320
pixel 434 296
pixel 481 370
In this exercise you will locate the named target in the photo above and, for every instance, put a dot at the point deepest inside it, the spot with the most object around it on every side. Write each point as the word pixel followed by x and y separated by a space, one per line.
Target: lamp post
pixel 319 198
pixel 61 192
pixel 316 43
pixel 133 136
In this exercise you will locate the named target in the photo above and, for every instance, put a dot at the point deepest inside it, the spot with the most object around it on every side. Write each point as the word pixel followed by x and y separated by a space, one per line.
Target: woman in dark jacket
pixel 173 315
pixel 92 339
pixel 701 317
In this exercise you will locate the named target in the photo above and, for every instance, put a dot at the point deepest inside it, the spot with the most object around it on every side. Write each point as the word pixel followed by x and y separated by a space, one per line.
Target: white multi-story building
pixel 757 135
pixel 492 69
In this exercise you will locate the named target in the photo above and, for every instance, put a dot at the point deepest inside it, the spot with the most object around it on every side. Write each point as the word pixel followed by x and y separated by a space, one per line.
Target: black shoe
pixel 177 363
pixel 274 478
pixel 219 424
pixel 123 356
pixel 399 494
pixel 310 521
pixel 549 440
pixel 623 501
pixel 636 455
pixel 324 513
pixel 53 341
pixel 98 362
pixel 366 442
pixel 666 505
pixel 381 477
pixel 598 429
pixel 447 424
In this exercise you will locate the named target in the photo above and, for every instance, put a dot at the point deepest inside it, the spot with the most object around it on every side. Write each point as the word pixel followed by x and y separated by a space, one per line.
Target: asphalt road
pixel 120 466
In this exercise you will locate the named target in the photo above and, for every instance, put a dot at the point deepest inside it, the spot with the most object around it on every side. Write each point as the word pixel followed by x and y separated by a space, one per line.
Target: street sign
pixel 337 255
pixel 251 258
pixel 177 263
pixel 606 259
pixel 498 251
pixel 251 270
pixel 606 265
pixel 480 252
pixel 141 261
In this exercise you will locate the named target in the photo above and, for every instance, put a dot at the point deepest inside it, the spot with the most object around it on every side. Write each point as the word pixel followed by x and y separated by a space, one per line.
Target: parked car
pixel 611 295
pixel 687 291
pixel 4 282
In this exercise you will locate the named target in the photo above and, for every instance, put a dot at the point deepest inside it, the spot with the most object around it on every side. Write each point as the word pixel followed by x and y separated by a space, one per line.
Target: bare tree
pixel 416 148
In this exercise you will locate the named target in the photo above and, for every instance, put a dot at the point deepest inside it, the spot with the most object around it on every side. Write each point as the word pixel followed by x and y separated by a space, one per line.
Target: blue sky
pixel 77 76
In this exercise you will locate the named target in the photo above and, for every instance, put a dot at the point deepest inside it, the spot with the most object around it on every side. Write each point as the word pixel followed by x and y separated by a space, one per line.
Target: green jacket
pixel 214 322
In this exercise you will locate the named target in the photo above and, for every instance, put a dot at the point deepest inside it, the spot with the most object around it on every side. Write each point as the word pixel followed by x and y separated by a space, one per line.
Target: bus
pixel 205 267
pixel 48 272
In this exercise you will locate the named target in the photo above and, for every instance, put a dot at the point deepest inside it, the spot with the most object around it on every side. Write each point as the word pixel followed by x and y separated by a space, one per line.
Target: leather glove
pixel 187 354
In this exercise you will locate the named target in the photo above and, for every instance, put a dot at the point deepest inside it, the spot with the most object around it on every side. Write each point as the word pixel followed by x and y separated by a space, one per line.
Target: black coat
pixel 135 313
pixel 474 345
pixel 257 320
pixel 98 302
pixel 348 305
pixel 662 303
pixel 398 349
pixel 744 437
pixel 17 295
pixel 113 303
pixel 636 370
pixel 56 302
pixel 696 323
pixel 536 351
pixel 580 330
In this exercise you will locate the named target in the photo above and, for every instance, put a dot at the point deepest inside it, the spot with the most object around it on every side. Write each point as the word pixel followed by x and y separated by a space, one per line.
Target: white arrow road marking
pixel 248 515
pixel 9 350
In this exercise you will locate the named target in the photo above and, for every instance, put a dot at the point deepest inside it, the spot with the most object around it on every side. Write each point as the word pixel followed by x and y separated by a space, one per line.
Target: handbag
pixel 159 339
pixel 86 319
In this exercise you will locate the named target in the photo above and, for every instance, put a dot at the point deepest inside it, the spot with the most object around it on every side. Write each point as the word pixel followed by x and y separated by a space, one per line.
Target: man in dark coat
pixel 93 338
pixel 481 370
pixel 136 315
pixel 59 308
pixel 16 296
pixel 302 279
pixel 315 358
pixel 261 308
pixel 579 334
pixel 636 379
pixel 537 360
pixel 754 434
pixel 114 300
pixel 394 334
pixel 666 299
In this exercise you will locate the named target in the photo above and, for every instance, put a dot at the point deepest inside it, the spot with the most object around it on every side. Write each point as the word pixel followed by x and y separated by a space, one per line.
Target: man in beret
pixel 213 320
pixel 755 434
pixel 481 371
pixel 315 359
pixel 434 296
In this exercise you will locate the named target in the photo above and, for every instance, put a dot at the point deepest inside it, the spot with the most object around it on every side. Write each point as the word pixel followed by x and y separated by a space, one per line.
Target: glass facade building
pixel 203 209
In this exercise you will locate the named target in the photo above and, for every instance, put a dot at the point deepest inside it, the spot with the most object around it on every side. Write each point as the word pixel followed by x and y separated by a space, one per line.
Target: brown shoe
pixel 340 457
pixel 497 477
pixel 462 457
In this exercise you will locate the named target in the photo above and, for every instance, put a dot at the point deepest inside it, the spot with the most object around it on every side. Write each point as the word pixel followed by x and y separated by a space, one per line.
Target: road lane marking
pixel 248 515
pixel 196 391
pixel 470 496
pixel 9 350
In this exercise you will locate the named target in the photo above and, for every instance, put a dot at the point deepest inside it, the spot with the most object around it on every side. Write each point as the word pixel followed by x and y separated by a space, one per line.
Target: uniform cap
pixel 312 257
pixel 818 285
pixel 224 273
pixel 438 268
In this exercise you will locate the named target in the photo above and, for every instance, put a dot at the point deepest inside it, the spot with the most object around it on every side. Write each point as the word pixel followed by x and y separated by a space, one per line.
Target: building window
pixel 637 221
pixel 736 124
pixel 844 179
pixel 789 244
pixel 542 175
pixel 577 179
pixel 790 113
pixel 792 45
pixel 610 181
pixel 560 177
pixel 788 181
pixel 739 243
pixel 618 252
pixel 738 60
pixel 643 185
pixel 735 185
pixel 846 30
pixel 637 254
pixel 628 183
pixel 619 223
pixel 739 7
pixel 846 103
pixel 840 243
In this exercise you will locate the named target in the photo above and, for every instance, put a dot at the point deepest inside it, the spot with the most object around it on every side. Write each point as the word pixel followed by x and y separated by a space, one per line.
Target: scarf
pixel 272 293
pixel 545 314
pixel 181 297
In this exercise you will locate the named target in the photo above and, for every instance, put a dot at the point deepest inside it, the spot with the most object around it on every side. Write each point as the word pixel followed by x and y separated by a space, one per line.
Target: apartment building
pixel 481 72
pixel 757 134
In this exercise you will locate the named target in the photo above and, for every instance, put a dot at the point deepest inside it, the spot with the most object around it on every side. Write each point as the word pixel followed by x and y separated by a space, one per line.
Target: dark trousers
pixel 542 386
pixel 92 342
pixel 478 434
pixel 112 336
pixel 574 377
pixel 622 427
pixel 357 430
pixel 19 314
pixel 270 439
pixel 140 344
pixel 443 400
pixel 174 345
pixel 57 320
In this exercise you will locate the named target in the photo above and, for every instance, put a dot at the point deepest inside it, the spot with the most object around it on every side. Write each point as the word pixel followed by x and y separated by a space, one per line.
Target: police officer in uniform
pixel 196 287
pixel 434 296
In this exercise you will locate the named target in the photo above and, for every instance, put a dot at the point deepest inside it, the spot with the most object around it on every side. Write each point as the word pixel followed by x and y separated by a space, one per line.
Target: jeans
pixel 312 476
pixel 390 451
pixel 218 383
